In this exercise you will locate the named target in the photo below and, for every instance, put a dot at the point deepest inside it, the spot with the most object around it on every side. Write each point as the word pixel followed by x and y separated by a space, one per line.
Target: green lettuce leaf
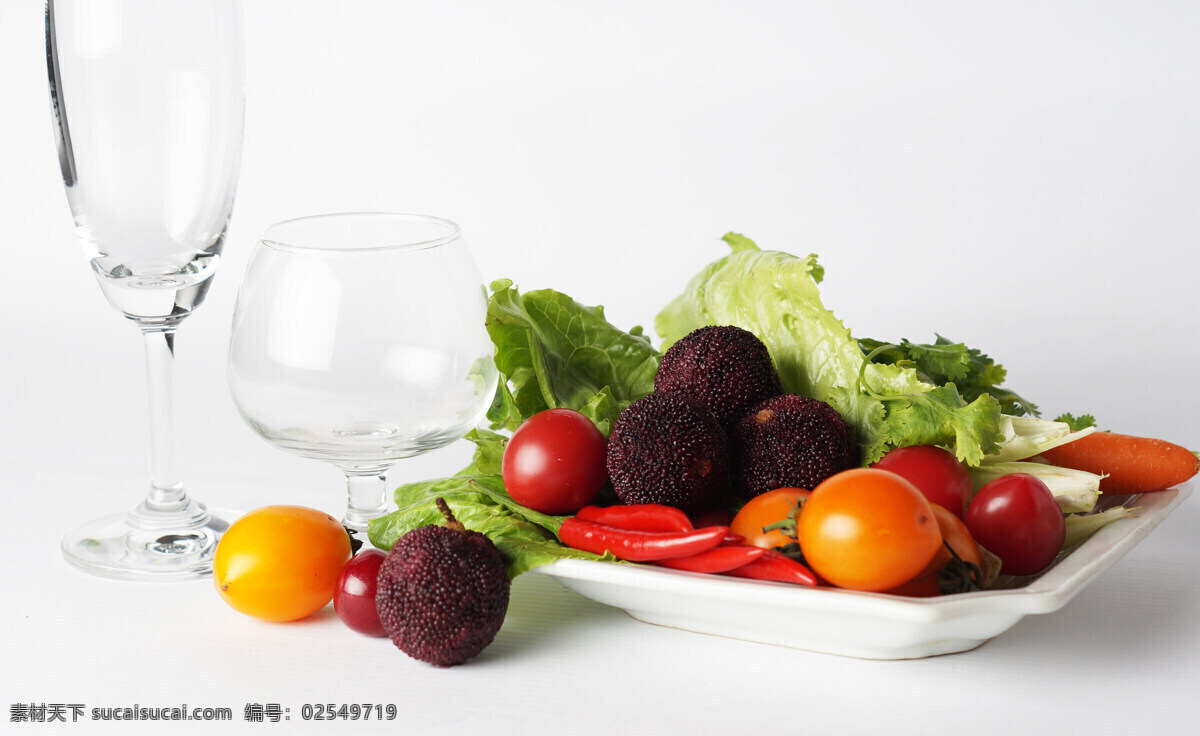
pixel 946 361
pixel 524 537
pixel 489 451
pixel 553 352
pixel 774 295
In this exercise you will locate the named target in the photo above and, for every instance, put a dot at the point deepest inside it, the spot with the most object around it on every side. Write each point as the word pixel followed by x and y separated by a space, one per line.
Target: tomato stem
pixel 958 576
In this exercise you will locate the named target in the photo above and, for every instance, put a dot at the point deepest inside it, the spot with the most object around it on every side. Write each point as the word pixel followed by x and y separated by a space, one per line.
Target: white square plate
pixel 868 625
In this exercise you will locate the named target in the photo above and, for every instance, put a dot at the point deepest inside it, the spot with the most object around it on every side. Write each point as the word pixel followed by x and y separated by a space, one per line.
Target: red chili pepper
pixel 718 559
pixel 645 517
pixel 777 567
pixel 636 546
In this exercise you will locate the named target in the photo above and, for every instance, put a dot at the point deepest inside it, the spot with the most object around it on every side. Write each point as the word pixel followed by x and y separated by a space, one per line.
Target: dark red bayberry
pixel 443 592
pixel 354 597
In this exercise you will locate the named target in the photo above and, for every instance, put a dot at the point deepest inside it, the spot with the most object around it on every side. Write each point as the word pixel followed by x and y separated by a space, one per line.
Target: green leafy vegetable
pixel 553 352
pixel 774 295
pixel 946 361
pixel 1083 421
pixel 523 536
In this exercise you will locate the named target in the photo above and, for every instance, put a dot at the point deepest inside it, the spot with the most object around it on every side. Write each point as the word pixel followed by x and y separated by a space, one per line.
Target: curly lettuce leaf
pixel 945 361
pixel 553 352
pixel 774 295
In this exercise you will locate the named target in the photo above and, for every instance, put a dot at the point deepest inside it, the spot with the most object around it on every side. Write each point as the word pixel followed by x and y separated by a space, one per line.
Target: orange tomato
pixel 955 533
pixel 280 563
pixel 767 509
pixel 868 529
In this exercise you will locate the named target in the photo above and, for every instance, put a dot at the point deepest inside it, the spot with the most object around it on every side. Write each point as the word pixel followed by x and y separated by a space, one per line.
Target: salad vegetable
pixel 638 546
pixel 774 295
pixel 643 517
pixel 1129 464
pixel 555 353
pixel 724 558
pixel 1074 490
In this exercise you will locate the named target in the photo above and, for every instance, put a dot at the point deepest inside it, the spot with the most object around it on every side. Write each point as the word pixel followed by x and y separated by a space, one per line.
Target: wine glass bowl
pixel 148 104
pixel 358 339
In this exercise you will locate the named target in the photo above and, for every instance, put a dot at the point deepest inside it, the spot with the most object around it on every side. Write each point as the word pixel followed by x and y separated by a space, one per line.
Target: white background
pixel 1023 177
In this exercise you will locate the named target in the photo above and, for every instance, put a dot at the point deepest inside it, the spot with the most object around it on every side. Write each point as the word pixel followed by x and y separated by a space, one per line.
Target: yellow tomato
pixel 280 563
pixel 868 529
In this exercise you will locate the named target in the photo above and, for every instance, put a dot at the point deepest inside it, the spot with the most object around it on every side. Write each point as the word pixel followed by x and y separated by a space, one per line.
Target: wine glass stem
pixel 166 488
pixel 366 501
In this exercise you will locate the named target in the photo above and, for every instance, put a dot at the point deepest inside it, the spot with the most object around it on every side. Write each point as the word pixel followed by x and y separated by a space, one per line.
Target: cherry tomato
pixel 954 533
pixel 868 529
pixel 1016 518
pixel 354 596
pixel 935 472
pixel 280 563
pixel 554 462
pixel 768 509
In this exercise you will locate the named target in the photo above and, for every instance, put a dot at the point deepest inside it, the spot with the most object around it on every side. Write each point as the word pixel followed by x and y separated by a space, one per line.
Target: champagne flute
pixel 147 98
pixel 359 339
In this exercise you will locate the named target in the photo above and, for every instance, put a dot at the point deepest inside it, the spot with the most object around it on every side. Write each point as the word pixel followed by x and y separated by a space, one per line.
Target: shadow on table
pixel 542 614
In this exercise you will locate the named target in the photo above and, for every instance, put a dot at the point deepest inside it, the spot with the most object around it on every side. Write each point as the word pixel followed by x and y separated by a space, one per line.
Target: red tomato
pixel 868 529
pixel 765 510
pixel 1016 518
pixel 956 534
pixel 354 597
pixel 935 472
pixel 554 462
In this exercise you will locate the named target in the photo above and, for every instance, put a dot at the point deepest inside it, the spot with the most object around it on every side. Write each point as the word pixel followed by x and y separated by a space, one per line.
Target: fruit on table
pixel 1016 518
pixel 554 462
pixel 280 563
pixel 935 472
pixel 354 597
pixel 791 440
pixel 442 592
pixel 667 448
pixel 726 368
pixel 868 529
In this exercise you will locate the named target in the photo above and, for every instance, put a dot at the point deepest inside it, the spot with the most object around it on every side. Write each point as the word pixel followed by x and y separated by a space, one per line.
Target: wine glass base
pixel 111 548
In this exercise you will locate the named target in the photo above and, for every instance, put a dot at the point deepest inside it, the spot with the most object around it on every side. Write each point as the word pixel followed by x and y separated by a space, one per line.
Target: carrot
pixel 1131 464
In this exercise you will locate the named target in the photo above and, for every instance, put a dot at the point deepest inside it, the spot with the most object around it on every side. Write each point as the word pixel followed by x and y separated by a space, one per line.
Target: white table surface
pixel 1021 177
